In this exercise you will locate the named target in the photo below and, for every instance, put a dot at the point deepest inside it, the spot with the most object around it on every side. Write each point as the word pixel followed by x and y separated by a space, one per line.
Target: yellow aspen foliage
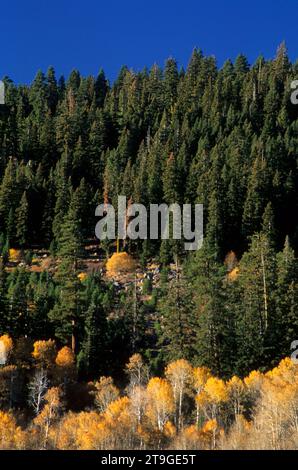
pixel 276 416
pixel 202 399
pixel 236 391
pixel 285 373
pixel 253 383
pixel 6 346
pixel 189 439
pixel 136 369
pixel 49 413
pixel 82 276
pixel 232 267
pixel 254 380
pixel 210 426
pixel 180 374
pixel 21 439
pixel 118 410
pixel 215 393
pixel 138 402
pixel 238 435
pixel 200 377
pixel 148 417
pixel 216 390
pixel 44 352
pixel 67 432
pixel 83 431
pixel 120 422
pixel 106 392
pixel 93 433
pixel 233 275
pixel 169 430
pixel 66 366
pixel 65 358
pixel 160 402
pixel 143 433
pixel 210 432
pixel 14 255
pixel 120 263
pixel 9 432
pixel 50 410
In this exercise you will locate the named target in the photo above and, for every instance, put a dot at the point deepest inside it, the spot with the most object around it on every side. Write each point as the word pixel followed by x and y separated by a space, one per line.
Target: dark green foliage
pixel 178 321
pixel 226 138
pixel 94 355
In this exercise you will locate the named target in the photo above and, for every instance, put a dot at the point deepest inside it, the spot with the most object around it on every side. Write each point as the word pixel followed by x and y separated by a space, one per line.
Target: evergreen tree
pixel 66 313
pixel 256 315
pixel 22 221
pixel 286 296
pixel 215 330
pixel 93 353
pixel 177 315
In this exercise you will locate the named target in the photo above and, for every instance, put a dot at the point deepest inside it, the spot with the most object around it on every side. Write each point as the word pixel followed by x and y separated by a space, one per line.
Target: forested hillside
pixel 224 137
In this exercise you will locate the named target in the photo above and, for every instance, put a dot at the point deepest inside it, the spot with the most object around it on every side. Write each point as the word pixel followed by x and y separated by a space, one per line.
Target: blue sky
pixel 91 34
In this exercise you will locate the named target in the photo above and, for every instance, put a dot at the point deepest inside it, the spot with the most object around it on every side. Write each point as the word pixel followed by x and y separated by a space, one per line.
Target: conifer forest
pixel 139 344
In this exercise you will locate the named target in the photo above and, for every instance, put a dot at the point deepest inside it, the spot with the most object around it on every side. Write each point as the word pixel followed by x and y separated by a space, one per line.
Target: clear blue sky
pixel 90 34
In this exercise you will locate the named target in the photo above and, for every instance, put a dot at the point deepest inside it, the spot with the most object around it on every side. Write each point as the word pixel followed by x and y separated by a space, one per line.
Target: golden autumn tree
pixel 236 390
pixel 285 373
pixel 136 370
pixel 120 421
pixel 212 397
pixel 6 346
pixel 44 352
pixel 66 432
pixel 254 380
pixel 66 366
pixel 276 417
pixel 189 438
pixel 48 414
pixel 209 433
pixel 82 431
pixel 180 374
pixel 11 435
pixel 200 377
pixel 120 263
pixel 138 401
pixel 106 393
pixel 65 358
pixel 238 436
pixel 253 383
pixel 160 404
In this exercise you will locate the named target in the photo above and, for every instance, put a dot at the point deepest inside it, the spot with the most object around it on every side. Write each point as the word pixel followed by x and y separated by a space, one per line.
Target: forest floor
pixel 92 263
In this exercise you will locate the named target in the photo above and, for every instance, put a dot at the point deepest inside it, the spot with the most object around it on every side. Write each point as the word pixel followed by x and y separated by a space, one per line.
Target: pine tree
pixel 93 353
pixel 256 316
pixel 7 193
pixel 177 317
pixel 256 193
pixel 4 325
pixel 286 297
pixel 52 90
pixel 170 82
pixel 66 312
pixel 22 221
pixel 17 305
pixel 215 344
